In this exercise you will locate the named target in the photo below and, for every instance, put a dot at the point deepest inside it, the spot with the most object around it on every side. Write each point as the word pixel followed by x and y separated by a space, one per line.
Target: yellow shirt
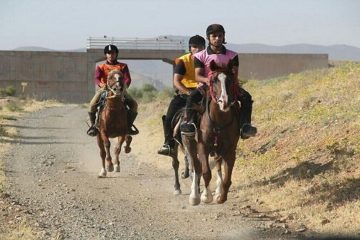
pixel 189 78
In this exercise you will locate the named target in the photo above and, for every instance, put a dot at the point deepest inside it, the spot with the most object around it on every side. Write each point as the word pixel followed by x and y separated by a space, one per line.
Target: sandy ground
pixel 52 172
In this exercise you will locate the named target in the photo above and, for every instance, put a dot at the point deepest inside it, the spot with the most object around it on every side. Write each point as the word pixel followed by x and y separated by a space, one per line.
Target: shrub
pixel 8 91
pixel 146 93
pixel 14 107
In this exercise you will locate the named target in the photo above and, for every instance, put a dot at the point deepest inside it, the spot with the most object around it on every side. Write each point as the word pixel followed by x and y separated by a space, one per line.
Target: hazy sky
pixel 66 24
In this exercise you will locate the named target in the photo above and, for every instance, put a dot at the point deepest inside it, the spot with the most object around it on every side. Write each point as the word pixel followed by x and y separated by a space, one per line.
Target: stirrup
pixel 165 150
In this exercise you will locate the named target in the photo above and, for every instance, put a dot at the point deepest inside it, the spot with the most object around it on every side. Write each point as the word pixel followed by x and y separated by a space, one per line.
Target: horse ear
pixel 213 66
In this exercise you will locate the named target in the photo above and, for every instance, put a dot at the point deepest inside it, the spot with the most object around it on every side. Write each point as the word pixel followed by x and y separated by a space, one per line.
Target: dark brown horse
pixel 218 135
pixel 175 123
pixel 113 123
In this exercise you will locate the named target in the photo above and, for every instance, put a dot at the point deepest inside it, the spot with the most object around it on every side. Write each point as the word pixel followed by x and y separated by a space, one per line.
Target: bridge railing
pixel 160 43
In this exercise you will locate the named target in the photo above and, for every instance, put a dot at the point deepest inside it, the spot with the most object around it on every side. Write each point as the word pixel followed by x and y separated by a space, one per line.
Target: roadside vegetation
pixel 148 93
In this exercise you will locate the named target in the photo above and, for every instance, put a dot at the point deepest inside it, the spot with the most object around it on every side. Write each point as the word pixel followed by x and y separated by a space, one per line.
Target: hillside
pixel 305 161
pixel 303 166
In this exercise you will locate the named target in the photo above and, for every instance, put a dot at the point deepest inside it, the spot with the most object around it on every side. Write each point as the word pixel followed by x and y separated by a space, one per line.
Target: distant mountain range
pixel 159 74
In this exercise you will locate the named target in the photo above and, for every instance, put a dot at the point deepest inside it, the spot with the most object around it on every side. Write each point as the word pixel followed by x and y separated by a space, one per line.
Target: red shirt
pixel 102 72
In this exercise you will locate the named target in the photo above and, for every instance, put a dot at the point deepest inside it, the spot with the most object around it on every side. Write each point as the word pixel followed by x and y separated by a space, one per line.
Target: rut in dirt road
pixel 53 167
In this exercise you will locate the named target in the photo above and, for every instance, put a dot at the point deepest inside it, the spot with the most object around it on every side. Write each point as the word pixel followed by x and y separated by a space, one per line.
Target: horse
pixel 217 135
pixel 113 123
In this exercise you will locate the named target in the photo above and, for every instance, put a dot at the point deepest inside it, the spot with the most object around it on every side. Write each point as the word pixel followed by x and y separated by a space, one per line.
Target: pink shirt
pixel 220 59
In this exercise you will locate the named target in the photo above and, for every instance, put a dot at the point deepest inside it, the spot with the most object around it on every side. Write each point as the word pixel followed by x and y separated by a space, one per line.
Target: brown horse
pixel 218 135
pixel 113 123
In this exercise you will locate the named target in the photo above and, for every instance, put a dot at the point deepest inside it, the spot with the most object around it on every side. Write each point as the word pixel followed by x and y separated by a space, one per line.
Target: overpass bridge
pixel 161 48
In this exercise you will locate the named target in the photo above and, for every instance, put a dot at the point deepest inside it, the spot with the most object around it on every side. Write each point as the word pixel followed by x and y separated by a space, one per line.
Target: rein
pixel 216 129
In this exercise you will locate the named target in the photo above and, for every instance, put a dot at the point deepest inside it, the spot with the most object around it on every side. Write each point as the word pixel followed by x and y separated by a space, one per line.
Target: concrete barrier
pixel 69 76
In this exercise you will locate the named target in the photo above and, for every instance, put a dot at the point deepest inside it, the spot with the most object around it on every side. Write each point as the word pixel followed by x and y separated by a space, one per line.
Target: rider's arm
pixel 127 77
pixel 99 73
pixel 179 73
pixel 200 72
pixel 235 68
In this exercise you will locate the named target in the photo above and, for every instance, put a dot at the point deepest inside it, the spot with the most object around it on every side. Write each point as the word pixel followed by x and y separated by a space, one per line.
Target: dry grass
pixel 304 163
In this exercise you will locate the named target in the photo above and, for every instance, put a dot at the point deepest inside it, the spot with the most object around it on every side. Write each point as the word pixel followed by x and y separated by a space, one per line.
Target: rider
pixel 184 81
pixel 216 51
pixel 111 52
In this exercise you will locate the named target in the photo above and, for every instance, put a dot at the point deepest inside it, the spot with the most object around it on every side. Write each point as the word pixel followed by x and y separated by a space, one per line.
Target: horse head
pixel 116 85
pixel 221 85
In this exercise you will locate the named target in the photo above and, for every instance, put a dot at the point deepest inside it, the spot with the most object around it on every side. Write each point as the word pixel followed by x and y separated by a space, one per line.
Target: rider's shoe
pixel 166 150
pixel 132 130
pixel 247 131
pixel 92 131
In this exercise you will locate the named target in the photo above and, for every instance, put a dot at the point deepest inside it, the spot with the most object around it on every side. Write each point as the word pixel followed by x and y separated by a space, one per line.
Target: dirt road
pixel 52 171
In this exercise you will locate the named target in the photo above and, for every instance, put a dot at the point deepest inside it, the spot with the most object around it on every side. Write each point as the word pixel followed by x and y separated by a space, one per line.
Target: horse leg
pixel 206 196
pixel 117 151
pixel 128 140
pixel 194 198
pixel 175 165
pixel 109 165
pixel 185 173
pixel 228 167
pixel 102 155
pixel 190 146
pixel 219 181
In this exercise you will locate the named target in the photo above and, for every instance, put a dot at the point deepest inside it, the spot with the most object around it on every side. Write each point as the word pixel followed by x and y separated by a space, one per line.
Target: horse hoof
pixel 102 173
pixel 194 201
pixel 117 168
pixel 127 149
pixel 177 192
pixel 220 201
pixel 110 168
pixel 185 174
pixel 217 198
pixel 207 198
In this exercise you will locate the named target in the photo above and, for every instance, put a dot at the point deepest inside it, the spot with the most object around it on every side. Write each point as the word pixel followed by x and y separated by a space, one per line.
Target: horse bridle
pixel 111 89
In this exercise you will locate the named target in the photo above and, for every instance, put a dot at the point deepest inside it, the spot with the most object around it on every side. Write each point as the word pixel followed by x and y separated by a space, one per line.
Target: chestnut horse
pixel 113 123
pixel 217 135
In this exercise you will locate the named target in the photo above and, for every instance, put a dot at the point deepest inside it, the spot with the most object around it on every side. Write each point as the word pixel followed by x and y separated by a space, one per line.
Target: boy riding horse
pixel 217 52
pixel 102 71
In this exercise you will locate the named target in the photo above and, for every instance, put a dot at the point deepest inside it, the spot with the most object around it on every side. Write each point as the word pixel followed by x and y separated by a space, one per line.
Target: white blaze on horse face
pixel 118 85
pixel 223 99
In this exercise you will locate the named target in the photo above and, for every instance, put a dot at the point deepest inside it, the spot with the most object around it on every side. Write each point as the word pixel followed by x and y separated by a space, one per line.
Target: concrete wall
pixel 48 75
pixel 69 76
pixel 265 66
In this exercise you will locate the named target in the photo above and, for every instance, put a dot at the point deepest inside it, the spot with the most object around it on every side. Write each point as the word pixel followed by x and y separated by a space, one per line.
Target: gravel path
pixel 52 171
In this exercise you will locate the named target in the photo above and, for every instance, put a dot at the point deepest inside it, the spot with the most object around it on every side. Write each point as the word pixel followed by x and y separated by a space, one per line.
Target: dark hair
pixel 111 48
pixel 213 28
pixel 196 40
